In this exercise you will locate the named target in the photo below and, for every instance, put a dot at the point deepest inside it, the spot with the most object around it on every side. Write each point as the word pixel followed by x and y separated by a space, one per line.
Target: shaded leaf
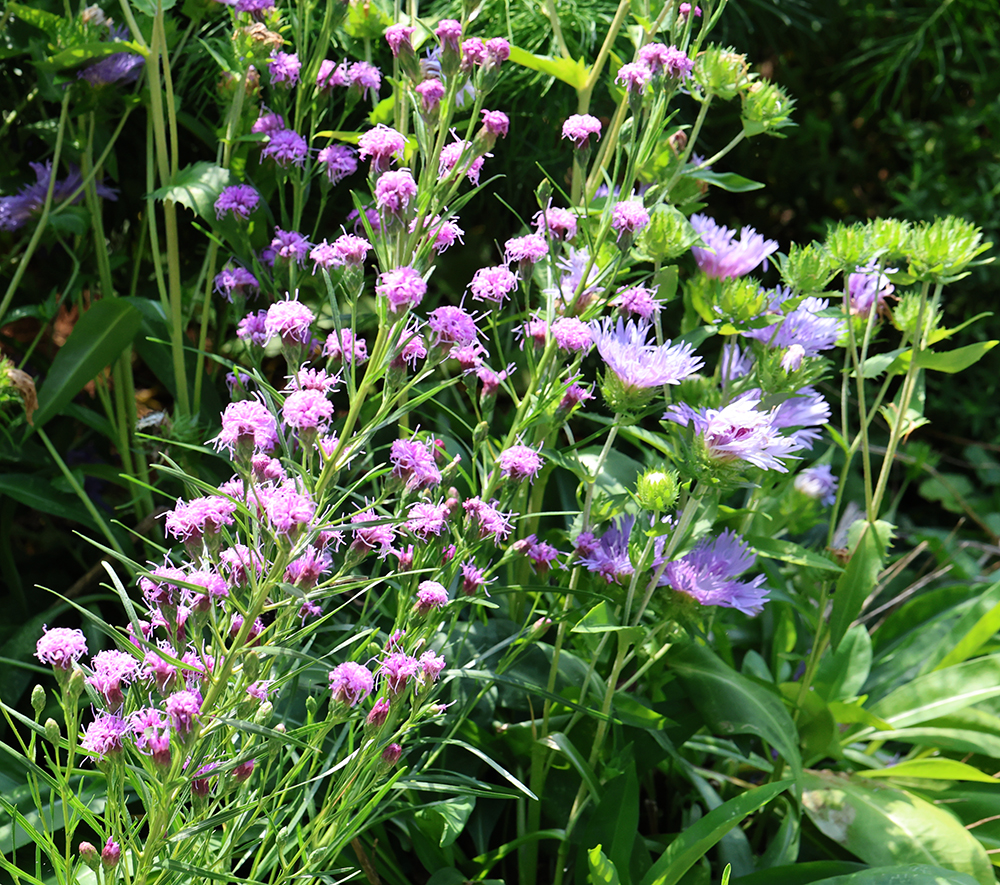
pixel 196 187
pixel 855 584
pixel 574 73
pixel 935 769
pixel 728 181
pixel 786 551
pixel 602 870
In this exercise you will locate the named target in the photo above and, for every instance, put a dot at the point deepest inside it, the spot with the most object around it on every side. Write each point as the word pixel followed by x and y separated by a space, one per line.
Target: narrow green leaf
pixel 574 73
pixel 602 870
pixel 97 339
pixel 903 874
pixel 564 745
pixel 935 769
pixel 956 360
pixel 974 629
pixel 855 584
pixel 786 551
pixel 728 181
pixel 690 846
pixel 842 673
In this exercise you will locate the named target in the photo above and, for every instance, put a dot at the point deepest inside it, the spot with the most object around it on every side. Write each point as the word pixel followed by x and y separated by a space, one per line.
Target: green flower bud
pixel 941 250
pixel 668 235
pixel 850 246
pixel 721 72
pixel 622 400
pixel 890 237
pixel 766 108
pixel 38 700
pixel 480 434
pixel 807 268
pixel 657 489
pixel 251 667
pixel 51 731
pixel 74 688
pixel 264 713
pixel 907 312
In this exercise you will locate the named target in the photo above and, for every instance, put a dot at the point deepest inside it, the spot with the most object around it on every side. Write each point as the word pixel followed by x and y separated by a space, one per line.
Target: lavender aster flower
pixel 122 67
pixel 867 288
pixel 723 256
pixel 608 555
pixel 17 210
pixel 240 199
pixel 806 411
pixel 817 482
pixel 61 647
pixel 351 683
pixel 638 364
pixel 803 326
pixel 708 575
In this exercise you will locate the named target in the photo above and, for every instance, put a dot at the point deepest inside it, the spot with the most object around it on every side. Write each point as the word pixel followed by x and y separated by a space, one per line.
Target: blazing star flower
pixel 431 91
pixel 394 191
pixel 572 335
pixel 17 210
pixel 560 224
pixel 446 233
pixel 817 482
pixel 286 147
pixel 288 509
pixel 452 325
pixel 400 39
pixel 413 462
pixel 638 364
pixel 473 53
pixel 234 279
pixel 290 245
pixel 339 160
pixel 493 284
pixel 413 350
pixel 253 328
pixel 449 32
pixel 708 575
pixel 473 578
pixel 403 288
pixel 306 571
pixel 369 537
pixel 351 683
pixel 344 346
pixel 105 735
pixel 426 519
pixel 240 199
pixel 350 251
pixel 490 520
pixel 666 60
pixel 111 669
pixel 867 288
pixel 541 553
pixel 383 144
pixel 573 264
pixel 456 151
pixel 579 127
pixel 526 250
pixel 722 256
pixel 432 664
pixel 331 74
pixel 629 217
pixel 284 68
pixel 248 424
pixel 152 736
pixel 739 432
pixel 638 301
pixel 608 555
pixel 260 690
pixel 268 123
pixel 61 647
pixel 313 379
pixel 290 320
pixel 190 521
pixel 803 326
pixel 430 595
pixel 307 410
pixel 574 396
pixel 634 76
pixel 495 123
pixel 364 77
pixel 519 463
pixel 397 670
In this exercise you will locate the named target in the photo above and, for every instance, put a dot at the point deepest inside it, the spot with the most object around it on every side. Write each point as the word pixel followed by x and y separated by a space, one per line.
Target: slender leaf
pixel 855 584
pixel 935 769
pixel 602 870
pixel 728 181
pixel 574 73
pixel 786 551
pixel 564 745
pixel 974 629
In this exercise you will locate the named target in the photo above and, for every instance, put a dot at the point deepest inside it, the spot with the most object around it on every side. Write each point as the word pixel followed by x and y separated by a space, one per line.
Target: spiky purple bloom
pixel 234 279
pixel 253 328
pixel 868 288
pixel 369 537
pixel 383 144
pixel 807 411
pixel 289 509
pixel 638 364
pixel 638 301
pixel 528 249
pixel 459 154
pixel 286 147
pixel 803 326
pixel 240 199
pixel 449 32
pixel 306 571
pixel 331 74
pixel 497 51
pixel 708 574
pixel 818 482
pixel 574 396
pixel 152 735
pixel 445 233
pixel 256 8
pixel 608 556
pixel 350 251
pixel 247 424
pixel 345 347
pixel 430 595
pixel 400 39
pixel 426 519
pixel 284 67
pixel 268 123
pixel 431 91
pixel 260 690
pixel 111 669
pixel 290 320
pixel 634 76
pixel 560 224
pixel 313 379
pixel 121 67
pixel 579 127
pixel 394 191
pixel 413 350
pixel 413 462
pixel 667 60
pixel 490 520
pixel 397 670
pixel 61 647
pixel 629 217
pixel 453 325
pixel 403 288
pixel 432 664
pixel 290 245
pixel 339 160
pixel 520 462
pixel 723 256
pixel 473 53
pixel 495 123
pixel 351 683
pixel 190 521
pixel 17 210
pixel 739 432
pixel 493 284
pixel 572 335
pixel 105 735
pixel 364 77
pixel 473 578
pixel 307 410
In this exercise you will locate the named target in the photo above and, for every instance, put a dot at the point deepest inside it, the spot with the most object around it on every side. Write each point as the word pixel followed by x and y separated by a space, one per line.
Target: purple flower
pixel 240 199
pixel 708 575
pixel 432 664
pixel 608 555
pixel 414 349
pixel 803 326
pixel 268 123
pixel 306 571
pixel 739 432
pixel 371 216
pixel 413 462
pixel 629 217
pixel 453 325
pixel 397 670
pixel 394 191
pixel 368 537
pixel 449 32
pixel 541 553
pixel 105 735
pixel 493 284
pixel 17 210
pixel 685 10
pixel 807 410
pixel 234 279
pixel 430 595
pixel 818 482
pixel 379 713
pixel 722 256
pixel 445 233
pixel 634 76
pixel 351 683
pixel 307 410
pixel 867 287
pixel 291 320
pixel 560 224
pixel 426 519
pixel 667 60
pixel 260 690
pixel 383 144
pixel 313 379
pixel 253 328
pixel 152 737
pixel 190 521
pixel 400 39
pixel 459 154
pixel 473 578
pixel 579 127
pixel 572 335
pixel 331 74
pixel 61 647
pixel 403 288
pixel 495 123
pixel 284 68
pixel 473 53
pixel 520 462
pixel 256 8
pixel 364 77
pixel 111 669
pixel 638 301
pixel 288 509
pixel 527 250
pixel 286 146
pixel 350 250
pixel 121 67
pixel 491 521
pixel 247 424
pixel 290 245
pixel 340 161
pixel 344 346
pixel 638 364
pixel 497 51
pixel 574 395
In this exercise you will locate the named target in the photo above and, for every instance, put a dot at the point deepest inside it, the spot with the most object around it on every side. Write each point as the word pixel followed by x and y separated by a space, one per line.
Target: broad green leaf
pixel 574 73
pixel 936 769
pixel 602 870
pixel 974 629
pixel 728 181
pixel 959 740
pixel 841 674
pixel 445 821
pixel 851 714
pixel 732 704
pixel 941 692
pixel 564 745
pixel 787 551
pixel 148 7
pixel 196 187
pixel 84 52
pixel 97 339
pixel 615 821
pixel 956 360
pixel 784 845
pixel 876 365
pixel 598 620
pixel 801 873
pixel 903 874
pixel 692 844
pixel 855 584
pixel 44 21
pixel 883 825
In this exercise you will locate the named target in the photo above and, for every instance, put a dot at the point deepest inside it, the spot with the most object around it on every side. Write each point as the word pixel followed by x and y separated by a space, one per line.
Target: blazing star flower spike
pixel 723 256
pixel 639 364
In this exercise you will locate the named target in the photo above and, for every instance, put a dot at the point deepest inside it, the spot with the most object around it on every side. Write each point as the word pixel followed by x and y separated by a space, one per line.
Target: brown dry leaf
pixel 26 384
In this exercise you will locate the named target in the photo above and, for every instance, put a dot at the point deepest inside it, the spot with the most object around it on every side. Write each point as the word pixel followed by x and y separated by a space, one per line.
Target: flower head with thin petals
pixel 383 144
pixel 639 364
pixel 403 288
pixel 61 647
pixel 817 482
pixel 520 462
pixel 579 127
pixel 608 556
pixel 339 160
pixel 286 147
pixel 724 256
pixel 351 683
pixel 240 199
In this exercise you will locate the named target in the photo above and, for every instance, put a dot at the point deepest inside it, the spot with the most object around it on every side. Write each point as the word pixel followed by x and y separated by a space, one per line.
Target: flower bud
pixel 391 754
pixel 38 700
pixel 657 489
pixel 264 713
pixel 89 855
pixel 379 713
pixel 251 667
pixel 74 688
pixel 51 731
pixel 111 854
